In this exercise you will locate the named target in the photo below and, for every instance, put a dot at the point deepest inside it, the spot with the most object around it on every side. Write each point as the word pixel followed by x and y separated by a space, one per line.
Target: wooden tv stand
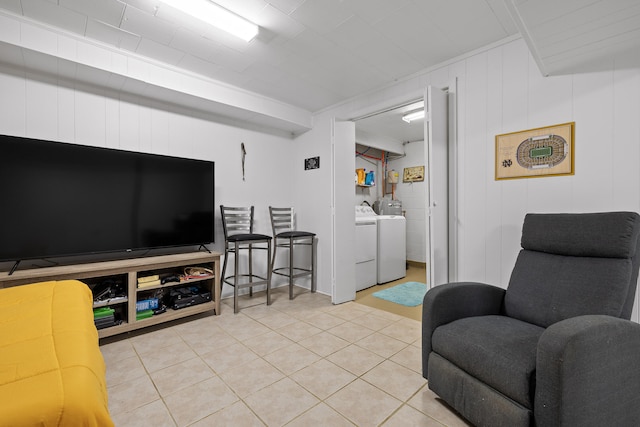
pixel 127 273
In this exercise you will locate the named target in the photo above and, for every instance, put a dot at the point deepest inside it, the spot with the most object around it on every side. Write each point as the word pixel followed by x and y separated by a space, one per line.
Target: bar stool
pixel 237 224
pixel 285 236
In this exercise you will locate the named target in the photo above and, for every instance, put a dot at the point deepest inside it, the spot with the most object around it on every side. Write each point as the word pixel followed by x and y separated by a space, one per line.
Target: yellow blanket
pixel 51 370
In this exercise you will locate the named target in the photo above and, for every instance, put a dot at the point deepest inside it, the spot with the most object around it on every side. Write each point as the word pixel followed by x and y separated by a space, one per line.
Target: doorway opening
pixel 387 145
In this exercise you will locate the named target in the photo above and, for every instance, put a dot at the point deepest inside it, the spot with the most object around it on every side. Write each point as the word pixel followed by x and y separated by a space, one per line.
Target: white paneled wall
pixel 41 107
pixel 506 93
pixel 413 198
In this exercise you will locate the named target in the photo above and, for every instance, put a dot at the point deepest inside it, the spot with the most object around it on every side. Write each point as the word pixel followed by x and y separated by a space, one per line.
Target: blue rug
pixel 409 294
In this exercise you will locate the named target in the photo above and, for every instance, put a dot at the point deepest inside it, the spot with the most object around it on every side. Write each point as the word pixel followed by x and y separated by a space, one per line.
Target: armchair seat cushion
pixel 497 350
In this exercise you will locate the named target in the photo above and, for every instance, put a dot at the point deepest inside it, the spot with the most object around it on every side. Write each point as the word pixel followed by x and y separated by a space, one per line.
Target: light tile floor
pixel 297 362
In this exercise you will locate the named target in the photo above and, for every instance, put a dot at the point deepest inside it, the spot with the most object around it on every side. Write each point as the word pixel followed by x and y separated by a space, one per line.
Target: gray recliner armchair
pixel 556 348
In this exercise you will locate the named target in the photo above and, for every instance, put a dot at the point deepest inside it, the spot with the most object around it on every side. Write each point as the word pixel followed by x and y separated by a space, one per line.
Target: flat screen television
pixel 62 199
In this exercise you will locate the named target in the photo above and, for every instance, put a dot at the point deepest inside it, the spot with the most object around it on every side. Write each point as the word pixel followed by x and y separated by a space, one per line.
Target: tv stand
pixel 133 291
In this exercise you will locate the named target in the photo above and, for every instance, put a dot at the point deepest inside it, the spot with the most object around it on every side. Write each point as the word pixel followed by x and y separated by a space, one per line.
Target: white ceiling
pixel 312 54
pixel 574 36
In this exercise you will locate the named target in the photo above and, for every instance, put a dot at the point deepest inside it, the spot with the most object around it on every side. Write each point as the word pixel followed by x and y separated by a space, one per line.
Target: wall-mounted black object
pixel 312 163
pixel 64 199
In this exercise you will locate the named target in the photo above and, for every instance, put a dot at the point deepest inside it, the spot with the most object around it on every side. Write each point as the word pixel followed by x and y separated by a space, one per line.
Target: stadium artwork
pixel 541 152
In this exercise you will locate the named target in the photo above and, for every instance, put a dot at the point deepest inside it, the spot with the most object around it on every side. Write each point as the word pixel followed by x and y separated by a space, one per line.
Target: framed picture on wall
pixel 545 151
pixel 413 174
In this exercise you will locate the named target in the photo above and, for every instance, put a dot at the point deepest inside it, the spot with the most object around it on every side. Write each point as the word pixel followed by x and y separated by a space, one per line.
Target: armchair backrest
pixel 575 264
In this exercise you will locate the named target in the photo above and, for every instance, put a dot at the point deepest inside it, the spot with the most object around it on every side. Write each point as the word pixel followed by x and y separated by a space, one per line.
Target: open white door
pixel 343 222
pixel 436 133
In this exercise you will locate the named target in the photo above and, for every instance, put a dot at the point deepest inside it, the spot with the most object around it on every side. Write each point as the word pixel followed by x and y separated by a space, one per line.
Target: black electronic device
pixel 174 278
pixel 178 298
pixel 191 300
pixel 65 199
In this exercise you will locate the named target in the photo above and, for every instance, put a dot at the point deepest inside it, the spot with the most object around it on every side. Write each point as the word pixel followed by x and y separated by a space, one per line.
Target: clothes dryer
pixel 392 248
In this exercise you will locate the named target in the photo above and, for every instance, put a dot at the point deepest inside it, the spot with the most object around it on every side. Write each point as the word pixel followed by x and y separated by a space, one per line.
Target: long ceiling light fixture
pixel 414 115
pixel 217 16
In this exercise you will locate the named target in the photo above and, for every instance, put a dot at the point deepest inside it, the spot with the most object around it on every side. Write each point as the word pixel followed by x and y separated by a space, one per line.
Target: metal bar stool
pixel 286 236
pixel 237 223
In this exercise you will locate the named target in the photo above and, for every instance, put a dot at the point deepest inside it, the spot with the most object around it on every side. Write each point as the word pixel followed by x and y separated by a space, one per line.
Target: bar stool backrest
pixel 236 220
pixel 281 220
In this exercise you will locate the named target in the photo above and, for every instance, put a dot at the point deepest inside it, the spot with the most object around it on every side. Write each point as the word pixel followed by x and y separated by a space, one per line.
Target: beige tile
pixel 355 359
pixel 152 342
pixel 392 317
pixel 291 358
pixel 363 404
pixel 280 402
pixel 242 327
pixel 372 321
pixel 407 416
pixel 125 370
pixel 153 414
pixel 308 338
pixel 198 401
pixel 430 404
pixel 382 345
pixel 116 351
pixel 409 357
pixel 298 331
pixel 245 301
pixel 406 330
pixel 205 340
pixel 324 343
pixel 320 415
pixel 323 378
pixel 299 309
pixel 182 375
pixel 229 357
pixel 350 331
pixel 168 356
pixel 324 320
pixel 398 381
pixel 130 395
pixel 258 311
pixel 267 343
pixel 348 310
pixel 235 415
pixel 251 377
pixel 277 320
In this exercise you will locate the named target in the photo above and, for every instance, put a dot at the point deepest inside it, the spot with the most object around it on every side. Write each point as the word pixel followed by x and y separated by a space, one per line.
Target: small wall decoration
pixel 545 151
pixel 413 174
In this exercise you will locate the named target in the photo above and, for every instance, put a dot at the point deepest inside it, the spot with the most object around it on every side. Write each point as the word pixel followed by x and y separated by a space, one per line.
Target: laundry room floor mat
pixel 409 294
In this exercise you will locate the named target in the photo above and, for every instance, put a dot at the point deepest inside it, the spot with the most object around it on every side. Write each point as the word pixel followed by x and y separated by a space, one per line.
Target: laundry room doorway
pixel 394 139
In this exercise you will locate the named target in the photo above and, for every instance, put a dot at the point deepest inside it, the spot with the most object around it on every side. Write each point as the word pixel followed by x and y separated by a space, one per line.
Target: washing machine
pixel 391 244
pixel 366 248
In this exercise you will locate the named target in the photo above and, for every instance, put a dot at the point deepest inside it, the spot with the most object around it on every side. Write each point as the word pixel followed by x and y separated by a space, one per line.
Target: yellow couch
pixel 51 370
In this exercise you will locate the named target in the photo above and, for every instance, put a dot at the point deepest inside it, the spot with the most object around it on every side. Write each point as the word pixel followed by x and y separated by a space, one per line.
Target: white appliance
pixel 392 248
pixel 391 245
pixel 366 249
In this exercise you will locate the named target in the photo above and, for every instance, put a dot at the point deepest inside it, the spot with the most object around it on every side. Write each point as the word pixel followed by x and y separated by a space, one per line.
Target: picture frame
pixel 413 174
pixel 534 153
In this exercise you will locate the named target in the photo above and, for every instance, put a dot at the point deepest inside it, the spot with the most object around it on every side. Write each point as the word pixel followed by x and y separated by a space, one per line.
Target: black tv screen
pixel 63 199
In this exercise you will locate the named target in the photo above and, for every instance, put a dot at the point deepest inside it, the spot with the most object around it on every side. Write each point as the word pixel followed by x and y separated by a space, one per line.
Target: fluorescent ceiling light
pixel 414 115
pixel 212 14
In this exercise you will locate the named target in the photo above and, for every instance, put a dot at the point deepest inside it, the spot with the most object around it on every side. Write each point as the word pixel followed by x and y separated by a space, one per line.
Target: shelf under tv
pixel 131 268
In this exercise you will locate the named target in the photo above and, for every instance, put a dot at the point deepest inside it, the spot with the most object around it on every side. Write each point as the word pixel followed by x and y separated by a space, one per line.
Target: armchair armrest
pixel 588 373
pixel 452 301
